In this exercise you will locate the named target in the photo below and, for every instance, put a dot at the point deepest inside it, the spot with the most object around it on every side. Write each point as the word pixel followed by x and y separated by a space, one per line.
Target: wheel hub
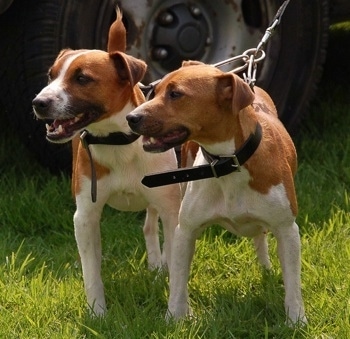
pixel 180 32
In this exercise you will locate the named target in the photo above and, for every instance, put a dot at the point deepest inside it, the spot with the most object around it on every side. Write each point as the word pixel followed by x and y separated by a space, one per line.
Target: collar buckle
pixel 212 166
pixel 235 161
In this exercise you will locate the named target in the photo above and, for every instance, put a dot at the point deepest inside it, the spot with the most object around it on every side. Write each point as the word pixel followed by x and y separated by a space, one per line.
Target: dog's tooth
pixel 76 119
pixel 152 140
pixel 47 127
pixel 60 129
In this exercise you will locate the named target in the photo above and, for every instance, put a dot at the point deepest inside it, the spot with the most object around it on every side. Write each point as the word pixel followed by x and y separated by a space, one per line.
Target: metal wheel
pixel 163 33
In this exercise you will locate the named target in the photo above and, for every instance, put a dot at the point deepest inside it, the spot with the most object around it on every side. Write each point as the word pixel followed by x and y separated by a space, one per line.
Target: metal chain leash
pixel 253 56
pixel 250 58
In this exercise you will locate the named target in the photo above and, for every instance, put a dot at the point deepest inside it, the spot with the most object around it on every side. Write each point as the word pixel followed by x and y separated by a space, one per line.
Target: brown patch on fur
pixel 207 115
pixel 82 167
pixel 114 76
pixel 75 188
pixel 111 83
pixel 275 161
pixel 216 107
pixel 188 153
pixel 117 35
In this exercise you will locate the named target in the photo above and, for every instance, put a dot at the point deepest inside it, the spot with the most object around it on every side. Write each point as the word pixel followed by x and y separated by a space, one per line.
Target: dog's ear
pixel 191 63
pixel 117 34
pixel 232 89
pixel 129 68
pixel 63 52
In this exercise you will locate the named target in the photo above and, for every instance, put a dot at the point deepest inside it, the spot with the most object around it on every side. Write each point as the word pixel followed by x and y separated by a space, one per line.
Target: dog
pixel 91 91
pixel 228 120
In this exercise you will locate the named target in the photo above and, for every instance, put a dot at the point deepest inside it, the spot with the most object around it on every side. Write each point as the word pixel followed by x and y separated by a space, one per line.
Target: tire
pixel 32 32
pixel 295 59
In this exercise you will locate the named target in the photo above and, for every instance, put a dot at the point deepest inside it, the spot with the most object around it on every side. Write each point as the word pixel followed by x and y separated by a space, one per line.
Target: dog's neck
pixel 225 147
pixel 113 130
pixel 237 130
pixel 216 166
pixel 116 122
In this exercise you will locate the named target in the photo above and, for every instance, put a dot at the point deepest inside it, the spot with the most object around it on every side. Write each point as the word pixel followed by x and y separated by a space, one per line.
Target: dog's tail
pixel 117 34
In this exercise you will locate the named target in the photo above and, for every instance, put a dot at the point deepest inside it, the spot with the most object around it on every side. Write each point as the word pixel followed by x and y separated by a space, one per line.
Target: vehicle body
pixel 163 33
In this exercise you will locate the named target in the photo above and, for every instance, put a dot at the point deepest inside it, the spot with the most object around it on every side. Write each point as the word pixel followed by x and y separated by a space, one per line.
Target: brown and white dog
pixel 94 90
pixel 220 112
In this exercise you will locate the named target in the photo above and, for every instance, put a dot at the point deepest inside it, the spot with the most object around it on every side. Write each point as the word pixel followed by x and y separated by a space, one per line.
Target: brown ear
pixel 129 68
pixel 191 63
pixel 232 89
pixel 63 52
pixel 117 34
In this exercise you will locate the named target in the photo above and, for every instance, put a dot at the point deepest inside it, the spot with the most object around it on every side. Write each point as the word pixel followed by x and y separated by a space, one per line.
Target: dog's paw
pixel 296 321
pixel 96 310
pixel 179 313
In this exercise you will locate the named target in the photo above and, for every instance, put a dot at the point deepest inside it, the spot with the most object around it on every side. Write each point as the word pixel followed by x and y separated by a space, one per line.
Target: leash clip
pixel 148 91
pixel 83 135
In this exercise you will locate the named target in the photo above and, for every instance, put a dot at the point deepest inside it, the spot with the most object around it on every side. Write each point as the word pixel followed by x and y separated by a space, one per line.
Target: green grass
pixel 41 290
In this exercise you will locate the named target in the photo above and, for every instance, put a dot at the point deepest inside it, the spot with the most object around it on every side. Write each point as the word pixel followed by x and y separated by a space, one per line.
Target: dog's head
pixel 86 86
pixel 195 102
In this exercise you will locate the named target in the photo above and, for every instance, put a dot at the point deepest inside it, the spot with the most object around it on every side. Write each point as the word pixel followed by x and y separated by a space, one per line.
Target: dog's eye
pixel 175 95
pixel 83 79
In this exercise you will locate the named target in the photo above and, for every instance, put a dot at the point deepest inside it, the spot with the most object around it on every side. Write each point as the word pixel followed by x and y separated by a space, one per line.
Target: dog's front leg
pixel 87 234
pixel 288 243
pixel 182 254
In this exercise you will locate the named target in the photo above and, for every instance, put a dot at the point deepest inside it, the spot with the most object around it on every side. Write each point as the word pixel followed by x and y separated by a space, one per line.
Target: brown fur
pixel 113 67
pixel 217 106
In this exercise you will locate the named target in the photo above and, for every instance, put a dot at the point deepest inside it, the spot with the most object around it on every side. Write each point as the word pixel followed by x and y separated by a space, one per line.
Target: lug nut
pixel 196 12
pixel 165 18
pixel 160 53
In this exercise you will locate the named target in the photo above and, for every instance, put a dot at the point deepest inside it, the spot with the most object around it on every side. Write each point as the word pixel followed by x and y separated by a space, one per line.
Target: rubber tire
pixel 298 51
pixel 32 32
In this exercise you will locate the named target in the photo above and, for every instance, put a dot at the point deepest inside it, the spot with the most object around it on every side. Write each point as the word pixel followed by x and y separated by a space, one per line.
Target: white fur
pixel 121 189
pixel 241 202
pixel 55 89
pixel 230 201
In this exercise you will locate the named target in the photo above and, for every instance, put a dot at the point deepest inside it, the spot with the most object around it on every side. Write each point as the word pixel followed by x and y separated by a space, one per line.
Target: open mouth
pixel 163 143
pixel 64 130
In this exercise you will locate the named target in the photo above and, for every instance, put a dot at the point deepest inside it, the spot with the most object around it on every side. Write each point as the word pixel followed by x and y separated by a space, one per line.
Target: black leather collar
pixel 218 165
pixel 117 138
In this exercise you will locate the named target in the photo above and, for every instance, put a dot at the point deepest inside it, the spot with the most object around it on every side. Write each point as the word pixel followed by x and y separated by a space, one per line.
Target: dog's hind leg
pixel 150 231
pixel 169 220
pixel 262 250
pixel 288 244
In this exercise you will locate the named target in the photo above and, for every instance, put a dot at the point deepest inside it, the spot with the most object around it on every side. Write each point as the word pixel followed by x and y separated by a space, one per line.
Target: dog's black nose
pixel 134 119
pixel 41 105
